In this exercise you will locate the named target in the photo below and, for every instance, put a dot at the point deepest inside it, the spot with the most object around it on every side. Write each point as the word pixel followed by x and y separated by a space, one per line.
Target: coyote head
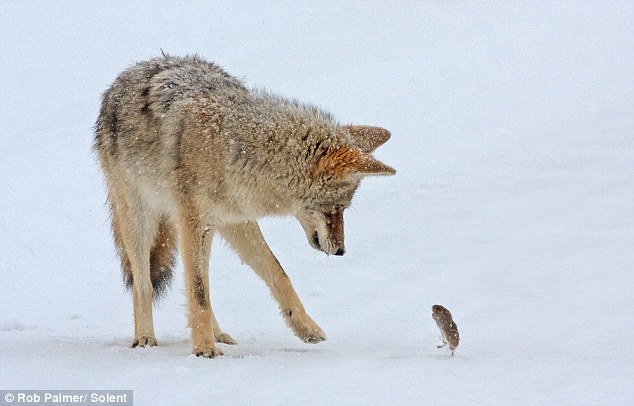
pixel 335 177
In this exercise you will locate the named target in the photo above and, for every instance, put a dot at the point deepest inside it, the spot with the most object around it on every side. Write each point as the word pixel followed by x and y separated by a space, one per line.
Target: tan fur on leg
pixel 135 240
pixel 196 246
pixel 247 240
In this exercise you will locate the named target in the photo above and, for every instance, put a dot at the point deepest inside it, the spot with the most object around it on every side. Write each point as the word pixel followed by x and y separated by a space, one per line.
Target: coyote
pixel 189 152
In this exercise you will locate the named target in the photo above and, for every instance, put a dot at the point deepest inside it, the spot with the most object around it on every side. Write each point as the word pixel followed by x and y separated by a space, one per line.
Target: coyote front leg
pixel 196 246
pixel 247 240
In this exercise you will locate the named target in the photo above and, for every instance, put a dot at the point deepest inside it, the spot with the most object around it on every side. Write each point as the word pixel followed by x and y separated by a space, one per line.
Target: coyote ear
pixel 368 138
pixel 347 163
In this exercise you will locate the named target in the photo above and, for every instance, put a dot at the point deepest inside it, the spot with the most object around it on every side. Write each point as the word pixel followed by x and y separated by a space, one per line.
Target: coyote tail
pixel 162 257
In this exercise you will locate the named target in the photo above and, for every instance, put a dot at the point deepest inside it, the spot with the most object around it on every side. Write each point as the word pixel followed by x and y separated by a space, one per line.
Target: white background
pixel 513 205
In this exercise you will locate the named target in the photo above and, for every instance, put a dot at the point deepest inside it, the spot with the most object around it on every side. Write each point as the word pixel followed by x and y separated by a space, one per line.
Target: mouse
pixel 448 328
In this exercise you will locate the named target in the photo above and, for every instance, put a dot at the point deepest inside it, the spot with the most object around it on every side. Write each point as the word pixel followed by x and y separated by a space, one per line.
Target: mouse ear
pixel 348 163
pixel 367 138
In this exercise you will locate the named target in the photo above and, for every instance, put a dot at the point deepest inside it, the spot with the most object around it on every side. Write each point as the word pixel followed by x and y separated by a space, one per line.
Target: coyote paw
pixel 210 352
pixel 224 338
pixel 144 341
pixel 304 327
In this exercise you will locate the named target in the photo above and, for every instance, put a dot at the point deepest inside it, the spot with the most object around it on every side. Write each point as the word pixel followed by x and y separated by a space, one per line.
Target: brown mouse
pixel 448 328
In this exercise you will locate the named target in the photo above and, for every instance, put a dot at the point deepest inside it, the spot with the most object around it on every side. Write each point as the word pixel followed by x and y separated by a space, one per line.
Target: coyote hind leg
pixel 134 227
pixel 247 240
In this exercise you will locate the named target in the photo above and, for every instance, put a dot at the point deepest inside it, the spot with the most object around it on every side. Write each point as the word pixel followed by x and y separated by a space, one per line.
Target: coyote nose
pixel 340 251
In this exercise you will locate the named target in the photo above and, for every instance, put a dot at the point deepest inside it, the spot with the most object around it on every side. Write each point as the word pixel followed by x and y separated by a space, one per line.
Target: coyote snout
pixel 324 230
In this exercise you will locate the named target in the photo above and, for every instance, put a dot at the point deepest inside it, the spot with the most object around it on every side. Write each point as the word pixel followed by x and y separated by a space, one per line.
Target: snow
pixel 513 137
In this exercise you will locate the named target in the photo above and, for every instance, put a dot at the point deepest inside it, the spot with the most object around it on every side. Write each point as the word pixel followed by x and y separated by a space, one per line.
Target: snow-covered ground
pixel 513 137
